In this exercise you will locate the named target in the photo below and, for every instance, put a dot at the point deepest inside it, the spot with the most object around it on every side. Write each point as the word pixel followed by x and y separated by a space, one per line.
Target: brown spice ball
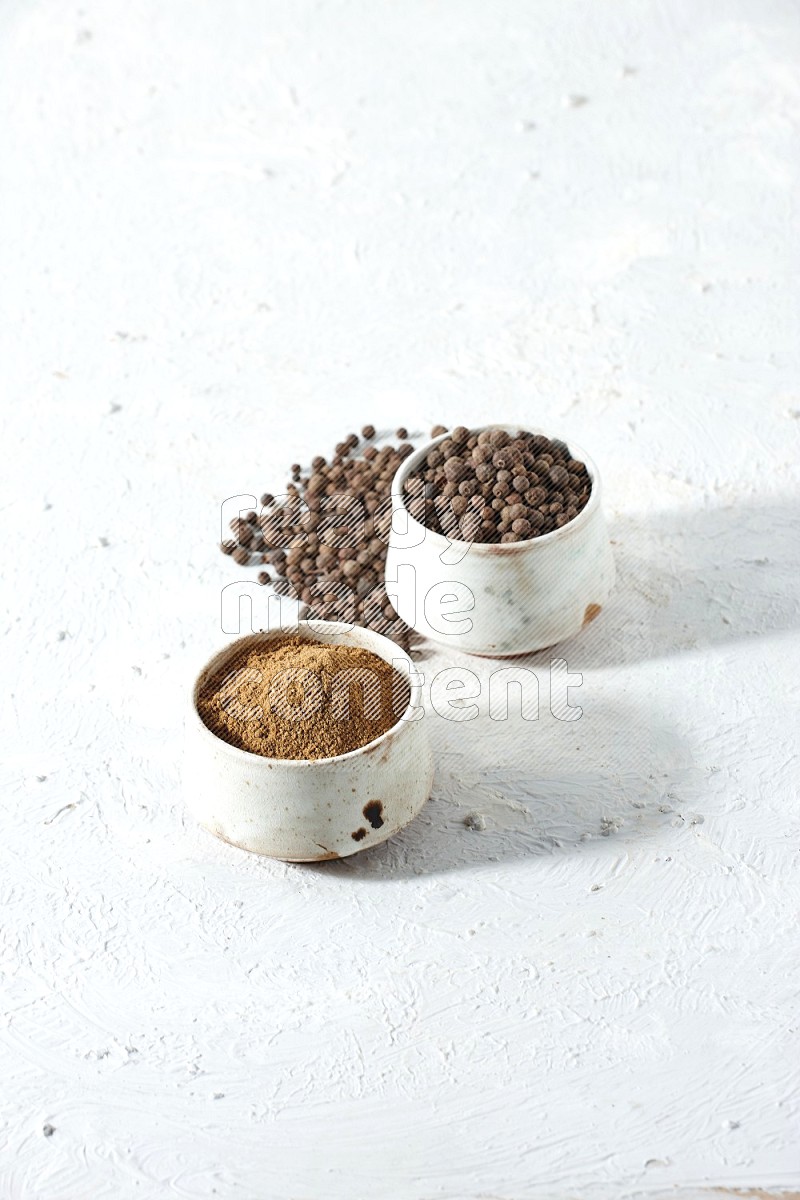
pixel 368 431
pixel 401 434
pixel 438 430
pixel 455 469
pixel 244 533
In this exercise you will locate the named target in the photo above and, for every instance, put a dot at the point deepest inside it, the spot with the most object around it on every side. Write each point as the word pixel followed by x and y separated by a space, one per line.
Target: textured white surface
pixel 231 233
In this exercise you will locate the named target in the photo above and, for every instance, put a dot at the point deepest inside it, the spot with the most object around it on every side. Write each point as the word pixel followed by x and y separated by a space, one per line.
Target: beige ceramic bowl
pixel 309 810
pixel 497 599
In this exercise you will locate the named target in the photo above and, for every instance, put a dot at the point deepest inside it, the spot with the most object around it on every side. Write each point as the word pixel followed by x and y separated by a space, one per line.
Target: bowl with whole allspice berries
pixel 498 543
pixel 307 746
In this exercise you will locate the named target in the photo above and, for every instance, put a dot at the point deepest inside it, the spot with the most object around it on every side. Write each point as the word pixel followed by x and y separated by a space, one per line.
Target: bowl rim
pixel 494 548
pixel 337 628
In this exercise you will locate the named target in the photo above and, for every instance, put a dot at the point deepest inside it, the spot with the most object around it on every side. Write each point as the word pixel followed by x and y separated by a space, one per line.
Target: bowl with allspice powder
pixel 498 543
pixel 307 745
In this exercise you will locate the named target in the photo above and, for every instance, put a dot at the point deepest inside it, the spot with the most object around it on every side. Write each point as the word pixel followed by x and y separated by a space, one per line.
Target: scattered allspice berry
pixel 325 537
pixel 300 699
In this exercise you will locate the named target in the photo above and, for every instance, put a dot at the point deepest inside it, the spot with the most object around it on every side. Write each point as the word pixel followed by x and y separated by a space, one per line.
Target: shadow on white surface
pixel 548 788
pixel 691 580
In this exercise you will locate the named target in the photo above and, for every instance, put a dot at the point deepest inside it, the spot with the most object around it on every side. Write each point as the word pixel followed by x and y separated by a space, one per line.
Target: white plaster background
pixel 230 234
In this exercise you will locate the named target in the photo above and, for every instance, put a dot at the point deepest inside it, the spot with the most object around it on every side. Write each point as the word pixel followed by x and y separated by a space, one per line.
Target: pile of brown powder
pixel 295 698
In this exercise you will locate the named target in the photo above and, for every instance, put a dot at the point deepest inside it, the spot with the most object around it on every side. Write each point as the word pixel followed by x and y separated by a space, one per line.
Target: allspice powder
pixel 293 698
